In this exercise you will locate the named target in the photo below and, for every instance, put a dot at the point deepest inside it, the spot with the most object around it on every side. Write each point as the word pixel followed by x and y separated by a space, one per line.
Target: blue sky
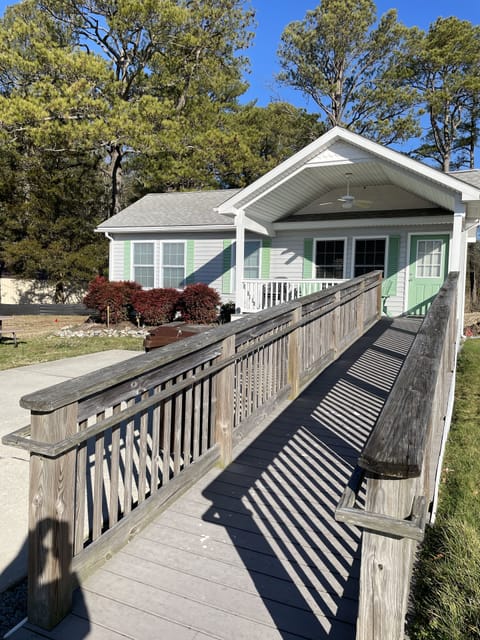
pixel 274 15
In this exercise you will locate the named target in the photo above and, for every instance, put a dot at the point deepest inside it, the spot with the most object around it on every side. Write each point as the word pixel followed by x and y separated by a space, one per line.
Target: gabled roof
pixel 320 169
pixel 470 176
pixel 172 211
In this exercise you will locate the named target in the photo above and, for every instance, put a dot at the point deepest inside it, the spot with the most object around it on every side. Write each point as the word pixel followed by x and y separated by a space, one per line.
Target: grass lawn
pixel 31 350
pixel 447 592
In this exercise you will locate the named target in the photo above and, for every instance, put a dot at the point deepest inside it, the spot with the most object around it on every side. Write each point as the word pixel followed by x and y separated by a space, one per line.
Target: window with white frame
pixel 329 258
pixel 369 255
pixel 144 264
pixel 251 266
pixel 173 264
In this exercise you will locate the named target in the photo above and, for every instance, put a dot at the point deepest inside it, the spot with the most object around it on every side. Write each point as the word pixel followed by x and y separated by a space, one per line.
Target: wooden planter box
pixel 168 333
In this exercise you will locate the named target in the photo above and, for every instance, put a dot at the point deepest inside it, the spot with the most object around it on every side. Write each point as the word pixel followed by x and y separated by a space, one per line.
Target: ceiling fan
pixel 348 200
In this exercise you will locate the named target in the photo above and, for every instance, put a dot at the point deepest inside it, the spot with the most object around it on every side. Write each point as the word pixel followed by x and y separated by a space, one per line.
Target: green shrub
pixel 111 299
pixel 199 303
pixel 156 306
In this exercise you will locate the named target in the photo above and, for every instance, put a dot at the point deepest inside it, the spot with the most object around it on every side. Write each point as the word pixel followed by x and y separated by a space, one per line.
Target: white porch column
pixel 239 258
pixel 458 259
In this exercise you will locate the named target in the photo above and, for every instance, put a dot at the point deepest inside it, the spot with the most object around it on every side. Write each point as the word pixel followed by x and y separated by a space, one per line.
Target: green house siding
pixel 265 265
pixel 389 286
pixel 127 260
pixel 227 267
pixel 308 258
pixel 190 262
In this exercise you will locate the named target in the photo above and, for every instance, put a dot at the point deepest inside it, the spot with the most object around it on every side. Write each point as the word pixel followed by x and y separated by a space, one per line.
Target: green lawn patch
pixel 52 347
pixel 446 595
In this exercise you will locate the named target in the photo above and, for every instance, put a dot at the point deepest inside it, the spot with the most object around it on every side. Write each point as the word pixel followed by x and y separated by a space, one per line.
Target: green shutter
pixel 127 260
pixel 266 250
pixel 227 267
pixel 190 263
pixel 307 258
pixel 389 286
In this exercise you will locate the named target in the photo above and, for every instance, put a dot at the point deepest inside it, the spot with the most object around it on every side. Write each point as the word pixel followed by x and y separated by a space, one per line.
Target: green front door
pixel 427 270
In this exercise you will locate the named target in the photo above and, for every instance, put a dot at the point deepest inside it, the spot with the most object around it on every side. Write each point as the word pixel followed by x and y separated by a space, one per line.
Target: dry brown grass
pixel 32 326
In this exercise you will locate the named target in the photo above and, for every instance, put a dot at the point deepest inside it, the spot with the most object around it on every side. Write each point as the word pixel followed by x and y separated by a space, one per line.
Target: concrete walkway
pixel 15 383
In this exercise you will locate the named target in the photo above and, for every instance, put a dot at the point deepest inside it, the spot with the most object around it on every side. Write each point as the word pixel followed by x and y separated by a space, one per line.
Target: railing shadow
pixel 76 627
pixel 276 501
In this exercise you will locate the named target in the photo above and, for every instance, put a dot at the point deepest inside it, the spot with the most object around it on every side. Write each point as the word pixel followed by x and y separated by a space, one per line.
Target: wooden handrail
pixel 399 465
pixel 396 447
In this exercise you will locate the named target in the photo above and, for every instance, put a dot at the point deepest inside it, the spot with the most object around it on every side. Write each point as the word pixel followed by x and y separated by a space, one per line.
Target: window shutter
pixel 266 251
pixel 127 260
pixel 227 267
pixel 389 286
pixel 190 262
pixel 307 258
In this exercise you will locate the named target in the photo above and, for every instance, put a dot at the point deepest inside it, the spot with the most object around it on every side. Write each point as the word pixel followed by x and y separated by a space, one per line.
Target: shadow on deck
pixel 253 551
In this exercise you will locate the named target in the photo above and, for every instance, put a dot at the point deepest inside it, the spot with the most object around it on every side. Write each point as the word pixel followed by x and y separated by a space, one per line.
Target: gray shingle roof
pixel 173 209
pixel 470 177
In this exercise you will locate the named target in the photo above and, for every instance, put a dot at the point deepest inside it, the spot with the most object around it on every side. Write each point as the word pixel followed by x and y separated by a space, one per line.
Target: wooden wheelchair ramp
pixel 253 551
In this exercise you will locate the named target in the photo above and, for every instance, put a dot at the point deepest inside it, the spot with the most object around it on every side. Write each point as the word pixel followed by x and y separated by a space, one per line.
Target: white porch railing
pixel 263 294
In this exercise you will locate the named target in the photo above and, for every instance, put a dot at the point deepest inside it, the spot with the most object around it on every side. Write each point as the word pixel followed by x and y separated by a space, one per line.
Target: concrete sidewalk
pixel 15 383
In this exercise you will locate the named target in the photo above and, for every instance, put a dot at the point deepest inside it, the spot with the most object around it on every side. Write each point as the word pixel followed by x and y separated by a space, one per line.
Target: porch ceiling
pixel 315 188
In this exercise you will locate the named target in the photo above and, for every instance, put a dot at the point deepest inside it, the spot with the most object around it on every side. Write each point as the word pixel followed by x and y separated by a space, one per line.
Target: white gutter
pixel 176 229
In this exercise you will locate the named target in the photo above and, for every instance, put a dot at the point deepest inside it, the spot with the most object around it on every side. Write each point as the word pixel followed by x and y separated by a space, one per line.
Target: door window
pixel 429 259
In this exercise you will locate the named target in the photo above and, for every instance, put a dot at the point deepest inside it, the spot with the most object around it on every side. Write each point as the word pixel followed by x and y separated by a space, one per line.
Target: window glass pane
pixel 143 253
pixel 429 259
pixel 251 267
pixel 369 255
pixel 173 253
pixel 173 264
pixel 144 276
pixel 329 258
pixel 143 264
pixel 173 277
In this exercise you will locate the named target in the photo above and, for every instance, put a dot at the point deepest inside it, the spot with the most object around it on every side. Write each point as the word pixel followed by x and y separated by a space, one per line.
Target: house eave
pixel 400 221
pixel 165 229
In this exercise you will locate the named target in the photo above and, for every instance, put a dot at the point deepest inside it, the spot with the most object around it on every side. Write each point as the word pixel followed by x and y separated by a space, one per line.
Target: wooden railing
pixel 110 449
pixel 399 471
pixel 263 294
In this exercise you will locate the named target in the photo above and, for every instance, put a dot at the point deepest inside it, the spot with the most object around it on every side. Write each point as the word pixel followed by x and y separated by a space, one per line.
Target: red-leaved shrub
pixel 116 297
pixel 199 303
pixel 156 306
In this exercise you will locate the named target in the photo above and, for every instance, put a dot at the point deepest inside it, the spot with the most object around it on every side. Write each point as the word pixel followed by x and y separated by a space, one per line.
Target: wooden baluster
pixel 294 355
pixel 114 471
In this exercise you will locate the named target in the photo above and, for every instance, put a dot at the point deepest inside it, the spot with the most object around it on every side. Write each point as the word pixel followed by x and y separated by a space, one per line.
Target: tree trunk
pixel 116 178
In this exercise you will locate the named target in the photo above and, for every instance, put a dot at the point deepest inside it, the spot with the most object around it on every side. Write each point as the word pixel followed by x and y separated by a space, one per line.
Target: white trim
pixel 326 239
pixel 177 229
pixel 377 237
pixel 239 258
pixel 362 224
